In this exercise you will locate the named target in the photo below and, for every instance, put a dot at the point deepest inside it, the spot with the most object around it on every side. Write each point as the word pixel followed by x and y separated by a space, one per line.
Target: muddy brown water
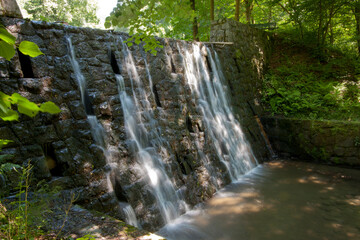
pixel 281 200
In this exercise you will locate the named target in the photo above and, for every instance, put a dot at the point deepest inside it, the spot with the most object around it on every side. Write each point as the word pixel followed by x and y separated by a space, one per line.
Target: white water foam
pixel 143 130
pixel 208 90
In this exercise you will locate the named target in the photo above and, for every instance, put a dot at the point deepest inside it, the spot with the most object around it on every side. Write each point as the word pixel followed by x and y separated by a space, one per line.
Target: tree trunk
pixel 10 8
pixel 331 33
pixel 320 26
pixel 248 7
pixel 270 15
pixel 357 18
pixel 237 10
pixel 195 23
pixel 328 24
pixel 295 19
pixel 212 10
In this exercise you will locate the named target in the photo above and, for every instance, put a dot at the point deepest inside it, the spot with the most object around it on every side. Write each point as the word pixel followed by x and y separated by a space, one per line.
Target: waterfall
pixel 144 132
pixel 224 130
pixel 97 130
pixel 130 216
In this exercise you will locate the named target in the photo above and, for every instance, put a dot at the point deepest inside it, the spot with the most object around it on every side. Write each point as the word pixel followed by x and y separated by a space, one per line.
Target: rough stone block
pixel 22 132
pixel 63 156
pixel 64 128
pixel 45 134
pixel 77 109
pixel 40 167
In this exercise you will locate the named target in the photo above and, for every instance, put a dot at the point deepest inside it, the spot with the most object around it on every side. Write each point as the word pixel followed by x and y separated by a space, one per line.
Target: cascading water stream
pixel 143 131
pixel 97 130
pixel 224 130
pixel 221 126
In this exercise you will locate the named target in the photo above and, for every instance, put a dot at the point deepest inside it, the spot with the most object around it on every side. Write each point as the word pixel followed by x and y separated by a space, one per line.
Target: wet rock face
pixel 61 147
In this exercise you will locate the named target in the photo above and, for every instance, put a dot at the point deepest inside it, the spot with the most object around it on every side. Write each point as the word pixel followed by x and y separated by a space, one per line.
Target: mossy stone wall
pixel 334 142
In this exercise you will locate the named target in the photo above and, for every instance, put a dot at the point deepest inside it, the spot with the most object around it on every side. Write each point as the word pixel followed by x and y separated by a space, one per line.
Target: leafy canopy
pixel 145 19
pixel 322 22
pixel 74 12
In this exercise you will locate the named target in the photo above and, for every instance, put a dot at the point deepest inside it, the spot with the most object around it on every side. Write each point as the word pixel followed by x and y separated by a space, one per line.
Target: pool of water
pixel 278 200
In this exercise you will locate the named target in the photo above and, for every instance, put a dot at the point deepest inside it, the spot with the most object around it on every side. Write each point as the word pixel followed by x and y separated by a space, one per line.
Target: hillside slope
pixel 304 84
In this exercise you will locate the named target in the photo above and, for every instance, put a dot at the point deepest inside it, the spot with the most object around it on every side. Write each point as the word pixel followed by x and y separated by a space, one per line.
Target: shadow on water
pixel 279 200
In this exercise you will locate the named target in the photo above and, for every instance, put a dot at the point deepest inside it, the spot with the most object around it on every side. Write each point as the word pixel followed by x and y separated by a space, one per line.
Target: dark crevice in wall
pixel 118 190
pixel 88 105
pixel 26 66
pixel 186 168
pixel 208 64
pixel 173 69
pixel 199 127
pixel 189 125
pixel 56 169
pixel 180 162
pixel 157 99
pixel 114 64
pixel 237 65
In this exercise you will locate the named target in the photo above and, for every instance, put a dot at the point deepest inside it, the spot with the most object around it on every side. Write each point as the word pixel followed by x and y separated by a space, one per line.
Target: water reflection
pixel 279 200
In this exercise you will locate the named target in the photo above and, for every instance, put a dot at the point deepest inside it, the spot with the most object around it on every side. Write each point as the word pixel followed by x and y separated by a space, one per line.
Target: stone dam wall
pixel 331 142
pixel 62 148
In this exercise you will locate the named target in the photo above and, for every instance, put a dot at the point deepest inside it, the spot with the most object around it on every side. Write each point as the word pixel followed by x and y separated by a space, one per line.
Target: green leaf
pixel 9 115
pixel 15 98
pixel 7 50
pixel 30 48
pixel 6 36
pixel 4 142
pixel 6 167
pixel 5 101
pixel 25 106
pixel 50 107
pixel 28 108
pixel 6 113
pixel 129 44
